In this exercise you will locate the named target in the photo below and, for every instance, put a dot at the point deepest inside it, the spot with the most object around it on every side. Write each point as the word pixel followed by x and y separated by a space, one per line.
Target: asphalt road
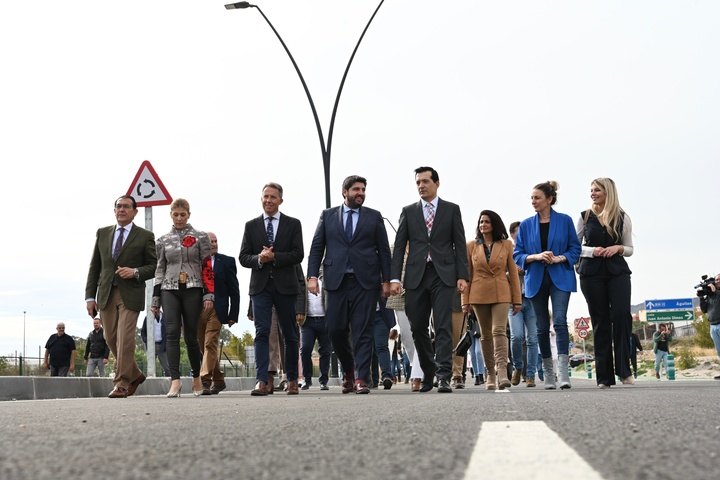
pixel 654 430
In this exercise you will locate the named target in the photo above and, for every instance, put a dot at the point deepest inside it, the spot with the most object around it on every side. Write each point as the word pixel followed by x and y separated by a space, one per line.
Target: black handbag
pixel 465 339
pixel 474 325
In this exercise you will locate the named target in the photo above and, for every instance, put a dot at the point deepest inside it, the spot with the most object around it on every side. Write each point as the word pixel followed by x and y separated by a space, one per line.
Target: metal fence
pixel 17 365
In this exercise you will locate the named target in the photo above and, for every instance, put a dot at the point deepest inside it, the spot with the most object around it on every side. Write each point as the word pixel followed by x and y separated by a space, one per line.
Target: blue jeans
pixel 660 358
pixel 560 300
pixel 476 358
pixel 380 333
pixel 406 364
pixel 314 329
pixel 523 326
pixel 715 334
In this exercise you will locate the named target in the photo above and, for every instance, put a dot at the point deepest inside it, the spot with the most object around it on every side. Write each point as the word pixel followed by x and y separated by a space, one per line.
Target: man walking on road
pixel 124 257
pixel 437 266
pixel 352 244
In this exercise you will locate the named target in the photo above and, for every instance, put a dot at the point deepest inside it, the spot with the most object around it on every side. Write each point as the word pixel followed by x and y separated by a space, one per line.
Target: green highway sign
pixel 670 316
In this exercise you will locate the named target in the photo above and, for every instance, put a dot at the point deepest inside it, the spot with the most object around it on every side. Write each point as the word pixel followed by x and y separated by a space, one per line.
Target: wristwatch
pixel 136 272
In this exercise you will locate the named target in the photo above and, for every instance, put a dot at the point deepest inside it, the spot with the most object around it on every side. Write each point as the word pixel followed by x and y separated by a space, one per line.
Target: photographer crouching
pixel 710 304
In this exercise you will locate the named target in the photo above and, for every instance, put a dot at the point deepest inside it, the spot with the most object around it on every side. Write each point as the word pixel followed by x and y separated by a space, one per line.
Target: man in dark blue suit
pixel 272 246
pixel 352 244
pixel 226 312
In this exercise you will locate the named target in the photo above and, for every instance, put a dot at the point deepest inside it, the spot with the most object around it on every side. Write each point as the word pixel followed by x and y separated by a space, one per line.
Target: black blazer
pixel 368 251
pixel 446 245
pixel 227 289
pixel 288 250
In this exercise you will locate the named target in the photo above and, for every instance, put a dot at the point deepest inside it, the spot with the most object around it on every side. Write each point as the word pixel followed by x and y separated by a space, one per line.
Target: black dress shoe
pixel 306 386
pixel 444 386
pixel 426 386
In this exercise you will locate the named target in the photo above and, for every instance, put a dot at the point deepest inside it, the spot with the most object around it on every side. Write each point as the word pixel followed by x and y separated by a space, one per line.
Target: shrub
pixel 686 358
pixel 702 332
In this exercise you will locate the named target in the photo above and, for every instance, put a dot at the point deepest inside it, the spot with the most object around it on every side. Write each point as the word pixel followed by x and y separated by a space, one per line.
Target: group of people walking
pixel 429 266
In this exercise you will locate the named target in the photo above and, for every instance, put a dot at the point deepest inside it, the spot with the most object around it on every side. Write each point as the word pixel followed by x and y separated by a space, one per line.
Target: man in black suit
pixel 226 312
pixel 272 246
pixel 437 265
pixel 352 244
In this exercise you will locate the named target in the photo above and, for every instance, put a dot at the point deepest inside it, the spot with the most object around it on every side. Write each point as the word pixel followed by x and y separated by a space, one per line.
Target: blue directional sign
pixel 671 304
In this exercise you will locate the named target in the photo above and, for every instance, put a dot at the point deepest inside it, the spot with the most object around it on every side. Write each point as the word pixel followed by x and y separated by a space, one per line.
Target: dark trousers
pixel 432 295
pixel 262 317
pixel 380 333
pixel 182 309
pixel 351 307
pixel 314 329
pixel 608 299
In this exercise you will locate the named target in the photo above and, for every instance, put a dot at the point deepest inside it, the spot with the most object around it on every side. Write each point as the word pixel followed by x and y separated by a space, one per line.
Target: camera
pixel 703 288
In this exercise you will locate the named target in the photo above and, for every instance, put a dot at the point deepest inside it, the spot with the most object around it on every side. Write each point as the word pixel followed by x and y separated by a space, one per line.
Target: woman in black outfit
pixel 605 231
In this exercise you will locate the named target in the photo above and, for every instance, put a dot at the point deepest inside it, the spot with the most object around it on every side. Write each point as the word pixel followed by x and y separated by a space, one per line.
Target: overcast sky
pixel 497 96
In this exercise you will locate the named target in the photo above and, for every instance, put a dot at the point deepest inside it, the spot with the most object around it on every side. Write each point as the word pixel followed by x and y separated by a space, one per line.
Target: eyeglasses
pixel 126 206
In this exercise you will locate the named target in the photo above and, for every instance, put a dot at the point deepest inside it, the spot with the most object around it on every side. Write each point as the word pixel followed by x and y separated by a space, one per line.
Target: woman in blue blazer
pixel 547 247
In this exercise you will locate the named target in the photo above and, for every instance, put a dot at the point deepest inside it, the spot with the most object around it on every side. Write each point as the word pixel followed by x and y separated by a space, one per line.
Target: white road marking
pixel 544 454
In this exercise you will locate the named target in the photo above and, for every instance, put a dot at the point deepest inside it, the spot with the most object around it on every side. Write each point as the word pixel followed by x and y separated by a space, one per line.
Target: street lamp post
pixel 326 149
pixel 24 312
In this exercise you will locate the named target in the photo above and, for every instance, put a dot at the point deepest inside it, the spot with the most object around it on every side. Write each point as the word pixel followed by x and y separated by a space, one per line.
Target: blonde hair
pixel 180 203
pixel 611 214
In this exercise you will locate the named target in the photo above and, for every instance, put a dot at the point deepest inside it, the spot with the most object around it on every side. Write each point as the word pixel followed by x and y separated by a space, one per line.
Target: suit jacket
pixel 368 251
pixel 446 244
pixel 227 289
pixel 160 346
pixel 388 314
pixel 288 248
pixel 137 252
pixel 494 282
pixel 562 240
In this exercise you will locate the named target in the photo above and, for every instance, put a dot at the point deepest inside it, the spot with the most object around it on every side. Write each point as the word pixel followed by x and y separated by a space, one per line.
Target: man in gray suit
pixel 123 258
pixel 437 266
pixel 352 244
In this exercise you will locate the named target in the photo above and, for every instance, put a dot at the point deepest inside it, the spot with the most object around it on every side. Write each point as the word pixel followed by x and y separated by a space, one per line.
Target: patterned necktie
pixel 349 226
pixel 270 232
pixel 430 217
pixel 429 223
pixel 118 244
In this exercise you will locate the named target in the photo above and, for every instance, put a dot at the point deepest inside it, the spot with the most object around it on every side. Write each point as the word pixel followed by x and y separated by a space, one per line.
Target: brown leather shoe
pixel 260 390
pixel 270 386
pixel 348 384
pixel 135 383
pixel 118 392
pixel 292 388
pixel 415 384
pixel 216 388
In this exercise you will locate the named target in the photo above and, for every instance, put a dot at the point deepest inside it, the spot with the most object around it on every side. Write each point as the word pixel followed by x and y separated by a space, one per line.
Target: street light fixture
pixel 326 149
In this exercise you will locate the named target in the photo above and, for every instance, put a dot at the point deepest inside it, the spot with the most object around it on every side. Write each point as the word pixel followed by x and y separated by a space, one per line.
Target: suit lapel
pixel 420 216
pixel 340 223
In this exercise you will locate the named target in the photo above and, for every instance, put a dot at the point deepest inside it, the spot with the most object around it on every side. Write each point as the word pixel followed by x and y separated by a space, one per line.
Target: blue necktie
pixel 349 226
pixel 270 232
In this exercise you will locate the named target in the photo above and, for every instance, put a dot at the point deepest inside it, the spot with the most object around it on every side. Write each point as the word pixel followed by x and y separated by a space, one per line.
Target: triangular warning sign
pixel 582 324
pixel 147 188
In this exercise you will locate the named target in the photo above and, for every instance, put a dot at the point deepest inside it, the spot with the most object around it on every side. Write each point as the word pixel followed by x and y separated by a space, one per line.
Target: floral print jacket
pixel 186 250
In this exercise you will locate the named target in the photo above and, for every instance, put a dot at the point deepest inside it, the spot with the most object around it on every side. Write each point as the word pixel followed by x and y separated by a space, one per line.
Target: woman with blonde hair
pixel 605 231
pixel 184 285
pixel 494 285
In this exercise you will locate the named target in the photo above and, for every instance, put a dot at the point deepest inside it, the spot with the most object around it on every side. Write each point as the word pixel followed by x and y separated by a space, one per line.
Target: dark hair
pixel 129 197
pixel 352 180
pixel 513 227
pixel 549 188
pixel 274 185
pixel 498 227
pixel 433 174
